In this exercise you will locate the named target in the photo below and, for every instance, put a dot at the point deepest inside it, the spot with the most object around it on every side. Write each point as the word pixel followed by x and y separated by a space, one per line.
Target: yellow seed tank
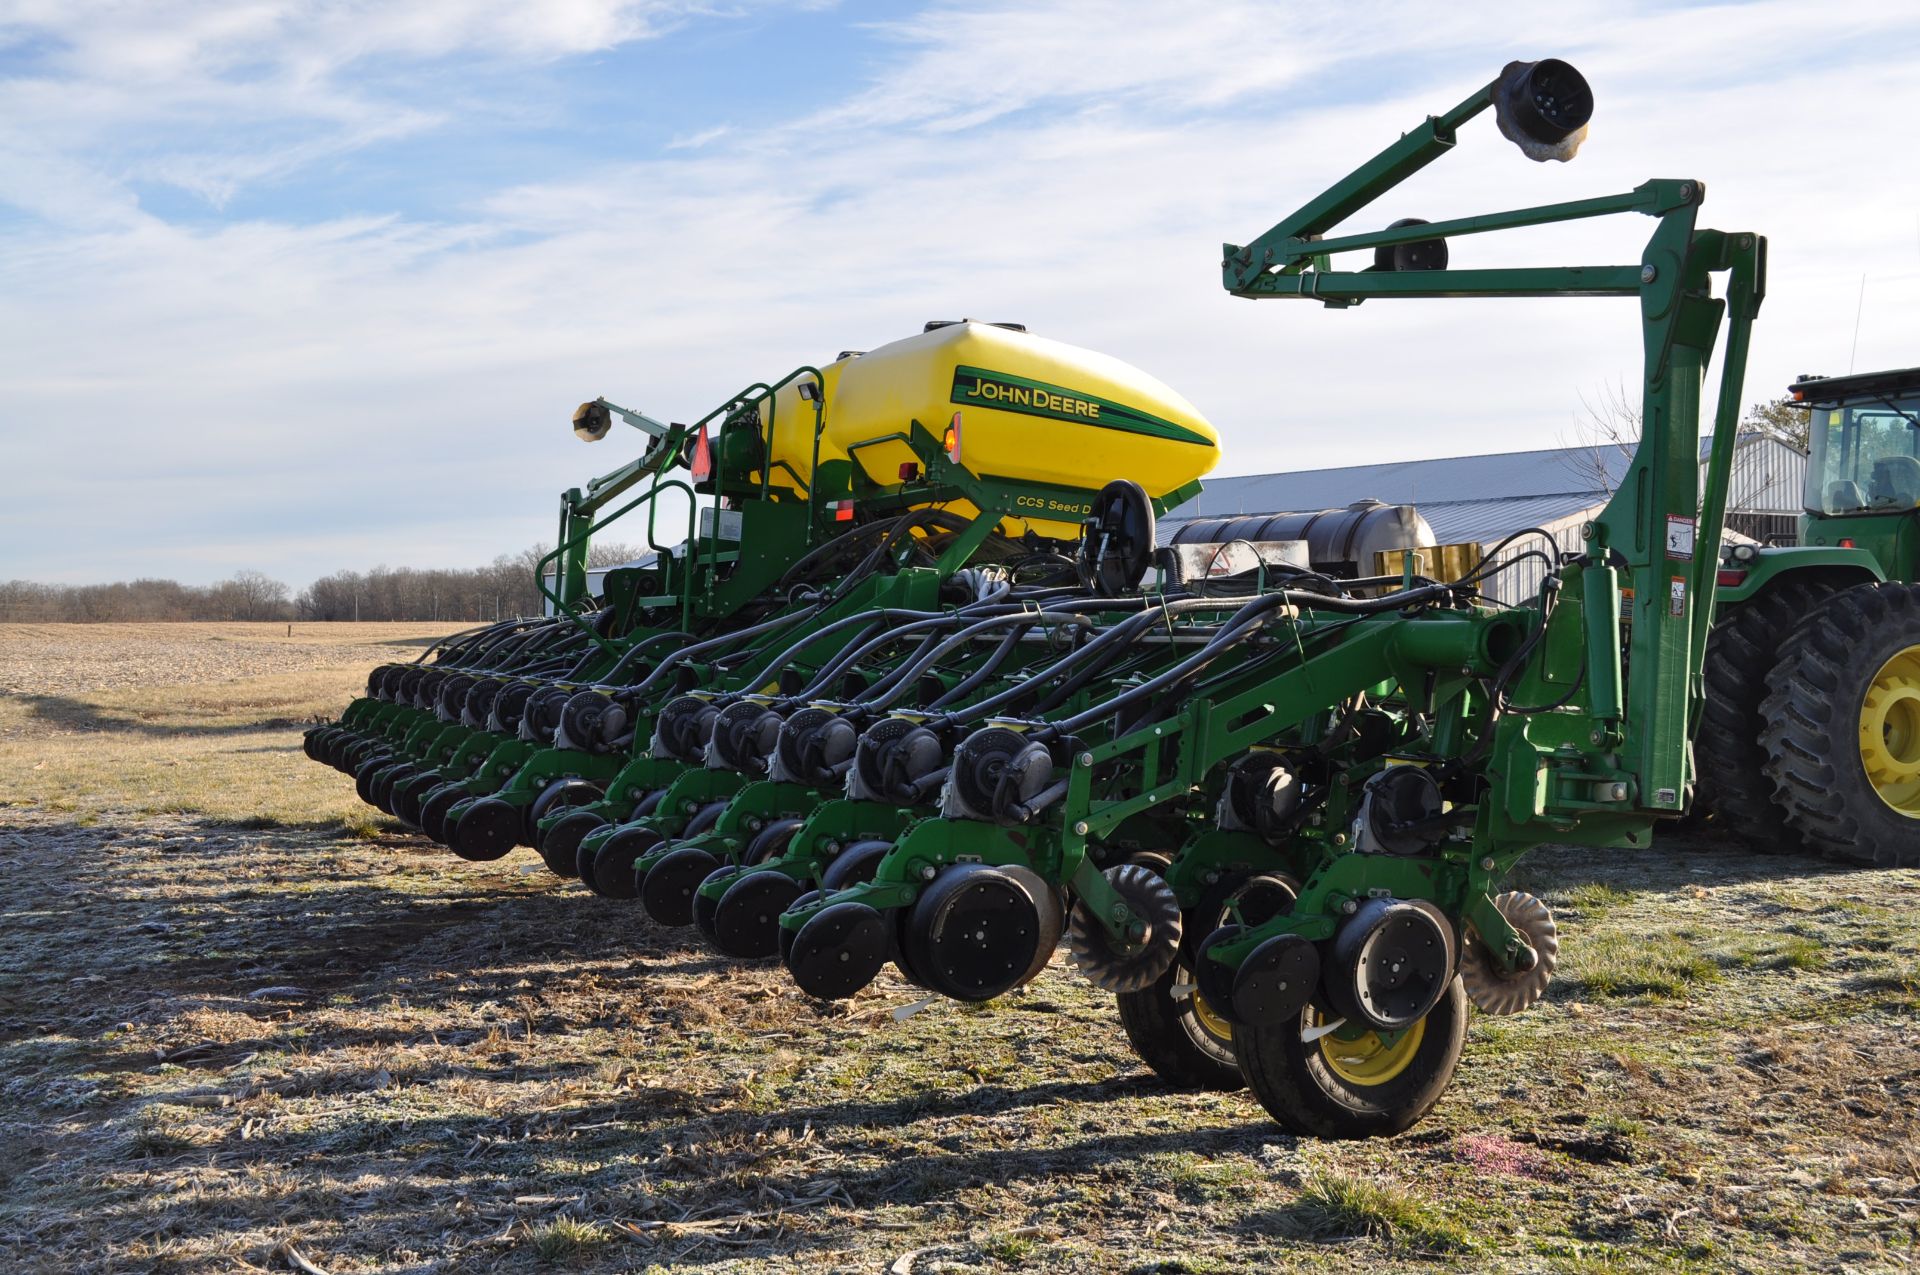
pixel 1031 409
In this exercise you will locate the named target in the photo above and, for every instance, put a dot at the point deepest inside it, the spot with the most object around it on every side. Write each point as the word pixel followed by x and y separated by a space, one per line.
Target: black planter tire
pixel 1184 1041
pixel 1327 1088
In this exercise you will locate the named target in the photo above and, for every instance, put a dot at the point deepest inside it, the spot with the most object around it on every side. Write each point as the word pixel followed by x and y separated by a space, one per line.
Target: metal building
pixel 1484 499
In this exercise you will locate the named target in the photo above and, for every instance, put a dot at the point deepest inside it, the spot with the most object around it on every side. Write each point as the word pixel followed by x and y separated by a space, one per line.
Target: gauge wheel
pixel 1843 727
pixel 1343 1084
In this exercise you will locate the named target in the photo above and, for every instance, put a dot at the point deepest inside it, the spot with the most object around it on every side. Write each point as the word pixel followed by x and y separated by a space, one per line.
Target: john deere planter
pixel 914 680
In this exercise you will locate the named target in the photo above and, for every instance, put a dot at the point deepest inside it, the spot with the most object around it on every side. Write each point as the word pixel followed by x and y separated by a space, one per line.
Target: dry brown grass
pixel 184 718
pixel 222 1048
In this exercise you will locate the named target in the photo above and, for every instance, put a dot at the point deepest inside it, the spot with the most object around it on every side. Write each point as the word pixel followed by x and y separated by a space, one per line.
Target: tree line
pixel 504 587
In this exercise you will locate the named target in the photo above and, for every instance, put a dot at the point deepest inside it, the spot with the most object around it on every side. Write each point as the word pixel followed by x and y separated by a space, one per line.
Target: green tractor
pixel 1810 739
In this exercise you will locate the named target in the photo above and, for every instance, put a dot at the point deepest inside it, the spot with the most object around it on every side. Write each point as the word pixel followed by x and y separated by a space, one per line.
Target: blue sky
pixel 294 285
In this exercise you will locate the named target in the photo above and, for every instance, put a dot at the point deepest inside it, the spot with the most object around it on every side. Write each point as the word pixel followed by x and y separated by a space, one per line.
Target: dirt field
pixel 245 1024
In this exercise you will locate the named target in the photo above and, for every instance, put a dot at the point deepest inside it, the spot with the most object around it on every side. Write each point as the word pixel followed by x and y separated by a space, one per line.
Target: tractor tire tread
pixel 1730 758
pixel 1811 737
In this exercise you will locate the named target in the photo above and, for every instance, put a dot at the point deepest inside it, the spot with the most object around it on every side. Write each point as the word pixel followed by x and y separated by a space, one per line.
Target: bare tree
pixel 1608 434
pixel 253 595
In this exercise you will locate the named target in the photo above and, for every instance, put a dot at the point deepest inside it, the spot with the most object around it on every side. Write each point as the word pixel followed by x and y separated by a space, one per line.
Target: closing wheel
pixel 408 793
pixel 556 795
pixel 839 950
pixel 1492 989
pixel 703 820
pixel 1351 1083
pixel 746 923
pixel 667 891
pixel 612 868
pixel 1843 726
pixel 380 787
pixel 771 841
pixel 1182 1024
pixel 364 772
pixel 1151 946
pixel 485 830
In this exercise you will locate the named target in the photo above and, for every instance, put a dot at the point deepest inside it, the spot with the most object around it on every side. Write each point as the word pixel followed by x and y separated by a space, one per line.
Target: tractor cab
pixel 1863 471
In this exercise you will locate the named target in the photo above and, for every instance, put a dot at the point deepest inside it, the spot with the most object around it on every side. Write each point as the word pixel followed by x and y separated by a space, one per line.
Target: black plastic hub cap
pixel 1275 982
pixel 973 934
pixel 610 872
pixel 747 922
pixel 667 892
pixel 485 830
pixel 434 808
pixel 839 950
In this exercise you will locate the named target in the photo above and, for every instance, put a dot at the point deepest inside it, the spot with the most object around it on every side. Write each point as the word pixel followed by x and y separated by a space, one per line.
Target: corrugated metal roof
pixel 1554 473
pixel 1560 471
pixel 1484 521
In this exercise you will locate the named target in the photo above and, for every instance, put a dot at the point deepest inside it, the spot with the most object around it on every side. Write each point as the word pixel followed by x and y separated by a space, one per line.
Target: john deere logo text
pixel 979 387
pixel 1000 393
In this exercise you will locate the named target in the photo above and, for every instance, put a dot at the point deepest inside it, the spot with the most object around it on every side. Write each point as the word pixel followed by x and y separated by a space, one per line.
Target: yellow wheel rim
pixel 1890 733
pixel 1210 1020
pixel 1367 1061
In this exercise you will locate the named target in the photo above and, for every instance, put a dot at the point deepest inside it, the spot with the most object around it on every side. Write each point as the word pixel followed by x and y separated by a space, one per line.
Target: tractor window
pixel 1865 457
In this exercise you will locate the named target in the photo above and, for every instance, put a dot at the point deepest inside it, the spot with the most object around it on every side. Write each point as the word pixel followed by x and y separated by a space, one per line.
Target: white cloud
pixel 305 397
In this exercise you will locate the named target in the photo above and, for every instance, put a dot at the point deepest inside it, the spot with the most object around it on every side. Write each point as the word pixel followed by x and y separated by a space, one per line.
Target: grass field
pixel 247 1024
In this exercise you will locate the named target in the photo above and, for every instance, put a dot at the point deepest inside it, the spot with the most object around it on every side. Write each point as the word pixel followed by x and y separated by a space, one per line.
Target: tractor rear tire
pixel 1843 727
pixel 1742 650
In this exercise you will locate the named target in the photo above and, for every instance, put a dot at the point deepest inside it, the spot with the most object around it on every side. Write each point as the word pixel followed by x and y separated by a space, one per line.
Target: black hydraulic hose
pixel 1189 667
pixel 1151 612
pixel 511 651
pixel 928 622
pixel 824 677
pixel 918 663
pixel 619 665
pixel 1249 620
pixel 880 615
pixel 1100 664
pixel 1488 564
pixel 467 637
pixel 992 665
pixel 685 653
pixel 799 570
pixel 458 644
pixel 896 683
